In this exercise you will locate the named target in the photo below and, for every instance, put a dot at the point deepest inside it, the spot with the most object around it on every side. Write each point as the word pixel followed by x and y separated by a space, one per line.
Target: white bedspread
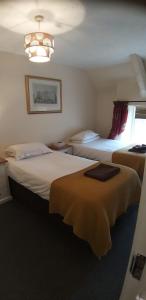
pixel 100 149
pixel 39 172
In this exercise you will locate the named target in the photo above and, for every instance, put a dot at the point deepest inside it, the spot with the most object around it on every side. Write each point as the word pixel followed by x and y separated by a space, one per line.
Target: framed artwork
pixel 43 95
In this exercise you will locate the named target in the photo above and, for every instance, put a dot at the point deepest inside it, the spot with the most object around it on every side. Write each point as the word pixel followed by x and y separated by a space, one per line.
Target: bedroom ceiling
pixel 87 33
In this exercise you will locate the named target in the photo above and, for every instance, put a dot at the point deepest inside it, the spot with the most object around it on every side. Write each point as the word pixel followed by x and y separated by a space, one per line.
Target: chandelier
pixel 39 46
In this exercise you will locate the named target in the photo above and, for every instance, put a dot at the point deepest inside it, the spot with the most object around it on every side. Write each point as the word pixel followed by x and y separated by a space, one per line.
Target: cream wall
pixel 16 126
pixel 112 83
pixel 104 110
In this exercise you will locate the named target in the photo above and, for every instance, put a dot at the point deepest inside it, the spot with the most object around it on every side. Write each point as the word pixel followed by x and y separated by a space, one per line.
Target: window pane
pixel 139 135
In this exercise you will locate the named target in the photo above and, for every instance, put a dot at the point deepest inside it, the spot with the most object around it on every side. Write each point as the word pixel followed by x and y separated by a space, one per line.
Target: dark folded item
pixel 138 149
pixel 102 172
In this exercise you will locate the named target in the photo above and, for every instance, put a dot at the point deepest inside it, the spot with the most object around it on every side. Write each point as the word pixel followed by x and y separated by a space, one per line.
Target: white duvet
pixel 100 149
pixel 39 172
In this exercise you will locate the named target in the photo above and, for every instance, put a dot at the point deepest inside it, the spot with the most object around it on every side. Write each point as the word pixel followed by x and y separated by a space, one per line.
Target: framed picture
pixel 43 95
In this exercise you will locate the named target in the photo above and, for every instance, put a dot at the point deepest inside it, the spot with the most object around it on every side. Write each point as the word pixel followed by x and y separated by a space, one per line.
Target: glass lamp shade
pixel 39 46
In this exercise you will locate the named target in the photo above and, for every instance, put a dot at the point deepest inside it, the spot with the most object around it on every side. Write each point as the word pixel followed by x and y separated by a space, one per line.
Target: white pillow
pixel 86 140
pixel 84 136
pixel 21 151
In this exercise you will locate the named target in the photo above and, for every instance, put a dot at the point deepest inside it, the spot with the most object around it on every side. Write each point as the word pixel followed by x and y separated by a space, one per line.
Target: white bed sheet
pixel 39 172
pixel 100 149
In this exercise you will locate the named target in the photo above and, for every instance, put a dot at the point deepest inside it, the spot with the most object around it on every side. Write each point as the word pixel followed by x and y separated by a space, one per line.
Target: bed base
pixel 28 198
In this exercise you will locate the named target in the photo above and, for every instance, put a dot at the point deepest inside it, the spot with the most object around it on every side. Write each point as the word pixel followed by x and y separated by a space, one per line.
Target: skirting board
pixel 6 199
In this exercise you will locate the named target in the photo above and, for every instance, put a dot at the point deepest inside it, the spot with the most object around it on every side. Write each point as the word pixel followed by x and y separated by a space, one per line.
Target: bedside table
pixel 4 185
pixel 64 148
pixel 67 149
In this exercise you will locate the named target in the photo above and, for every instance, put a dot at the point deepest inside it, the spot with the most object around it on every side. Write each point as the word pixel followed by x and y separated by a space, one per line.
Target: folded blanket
pixel 102 172
pixel 138 149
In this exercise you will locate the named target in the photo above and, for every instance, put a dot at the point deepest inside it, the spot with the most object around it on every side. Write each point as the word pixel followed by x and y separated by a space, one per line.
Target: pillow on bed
pixel 21 151
pixel 85 141
pixel 84 136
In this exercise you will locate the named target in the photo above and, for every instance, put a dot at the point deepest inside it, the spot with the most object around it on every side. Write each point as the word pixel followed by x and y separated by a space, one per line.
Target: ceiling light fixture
pixel 39 46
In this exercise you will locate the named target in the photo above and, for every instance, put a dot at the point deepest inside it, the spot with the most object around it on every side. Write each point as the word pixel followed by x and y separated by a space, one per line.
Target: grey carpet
pixel 41 259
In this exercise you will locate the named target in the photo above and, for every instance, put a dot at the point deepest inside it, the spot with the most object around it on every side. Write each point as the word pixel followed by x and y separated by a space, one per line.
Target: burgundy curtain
pixel 120 115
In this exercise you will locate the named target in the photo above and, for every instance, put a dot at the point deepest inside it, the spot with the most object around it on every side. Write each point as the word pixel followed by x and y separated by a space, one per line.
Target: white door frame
pixel 133 287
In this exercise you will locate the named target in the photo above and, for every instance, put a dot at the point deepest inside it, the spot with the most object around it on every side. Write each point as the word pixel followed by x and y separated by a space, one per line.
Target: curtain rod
pixel 141 101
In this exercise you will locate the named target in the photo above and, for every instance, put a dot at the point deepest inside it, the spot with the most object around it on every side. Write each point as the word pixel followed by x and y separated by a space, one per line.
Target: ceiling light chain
pixel 39 19
pixel 39 25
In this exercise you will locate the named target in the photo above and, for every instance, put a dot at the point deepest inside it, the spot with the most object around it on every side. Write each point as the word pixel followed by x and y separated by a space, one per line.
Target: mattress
pixel 37 173
pixel 100 149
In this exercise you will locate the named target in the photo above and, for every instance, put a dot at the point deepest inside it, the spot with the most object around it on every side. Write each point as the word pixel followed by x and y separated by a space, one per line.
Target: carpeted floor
pixel 41 259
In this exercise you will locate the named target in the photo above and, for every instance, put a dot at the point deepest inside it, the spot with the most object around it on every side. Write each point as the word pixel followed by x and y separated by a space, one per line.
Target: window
pixel 135 129
pixel 126 136
pixel 139 128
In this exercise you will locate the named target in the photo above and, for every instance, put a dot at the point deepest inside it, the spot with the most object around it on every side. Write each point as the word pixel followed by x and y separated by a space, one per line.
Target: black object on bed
pixel 102 172
pixel 138 149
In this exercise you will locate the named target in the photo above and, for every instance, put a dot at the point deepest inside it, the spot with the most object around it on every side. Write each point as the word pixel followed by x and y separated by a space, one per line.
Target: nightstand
pixel 4 186
pixel 64 148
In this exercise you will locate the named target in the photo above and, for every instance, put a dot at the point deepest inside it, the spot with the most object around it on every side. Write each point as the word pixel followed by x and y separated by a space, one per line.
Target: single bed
pixel 37 173
pixel 113 151
pixel 99 149
pixel 91 207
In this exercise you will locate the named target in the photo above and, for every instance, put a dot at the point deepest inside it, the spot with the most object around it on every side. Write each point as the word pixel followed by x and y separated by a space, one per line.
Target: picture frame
pixel 43 95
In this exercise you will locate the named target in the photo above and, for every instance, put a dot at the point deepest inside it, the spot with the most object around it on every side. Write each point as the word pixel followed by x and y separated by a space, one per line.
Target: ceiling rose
pixel 60 16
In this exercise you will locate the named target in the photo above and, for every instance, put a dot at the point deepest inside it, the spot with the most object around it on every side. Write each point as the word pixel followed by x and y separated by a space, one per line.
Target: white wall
pixel 112 83
pixel 16 126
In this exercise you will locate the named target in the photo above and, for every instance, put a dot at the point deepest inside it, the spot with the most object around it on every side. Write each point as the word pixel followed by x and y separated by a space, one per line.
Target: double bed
pixel 90 206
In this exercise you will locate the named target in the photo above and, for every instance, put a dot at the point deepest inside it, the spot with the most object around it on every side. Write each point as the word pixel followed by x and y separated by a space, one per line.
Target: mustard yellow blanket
pixel 133 160
pixel 91 207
